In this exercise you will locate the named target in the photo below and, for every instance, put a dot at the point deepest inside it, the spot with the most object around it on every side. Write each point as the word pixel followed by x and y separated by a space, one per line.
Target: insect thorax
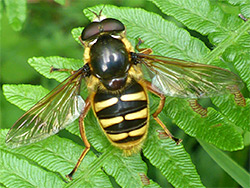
pixel 109 61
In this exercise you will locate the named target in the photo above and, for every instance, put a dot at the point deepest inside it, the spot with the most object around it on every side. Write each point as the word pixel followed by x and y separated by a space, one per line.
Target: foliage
pixel 236 171
pixel 50 160
pixel 16 12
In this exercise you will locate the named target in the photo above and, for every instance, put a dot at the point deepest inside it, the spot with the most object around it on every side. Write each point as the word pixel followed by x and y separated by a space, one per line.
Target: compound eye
pixel 90 30
pixel 111 24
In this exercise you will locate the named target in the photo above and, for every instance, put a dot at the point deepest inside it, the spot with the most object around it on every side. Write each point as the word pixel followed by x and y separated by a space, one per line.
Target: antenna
pixel 97 15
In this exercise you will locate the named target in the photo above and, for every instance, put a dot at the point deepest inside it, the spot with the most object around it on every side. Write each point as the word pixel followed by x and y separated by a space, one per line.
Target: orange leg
pixel 143 50
pixel 52 69
pixel 193 103
pixel 238 97
pixel 159 109
pixel 84 138
pixel 144 179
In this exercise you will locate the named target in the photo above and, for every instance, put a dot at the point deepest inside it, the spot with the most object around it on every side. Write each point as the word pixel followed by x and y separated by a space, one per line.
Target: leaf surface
pixel 16 12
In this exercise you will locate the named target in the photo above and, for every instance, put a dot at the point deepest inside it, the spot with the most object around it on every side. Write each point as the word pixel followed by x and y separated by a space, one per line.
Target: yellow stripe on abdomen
pixel 116 137
pixel 111 121
pixel 139 96
pixel 104 104
pixel 138 132
pixel 137 115
pixel 134 133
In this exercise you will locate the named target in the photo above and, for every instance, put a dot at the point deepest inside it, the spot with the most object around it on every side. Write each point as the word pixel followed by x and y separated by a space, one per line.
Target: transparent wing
pixel 52 113
pixel 180 78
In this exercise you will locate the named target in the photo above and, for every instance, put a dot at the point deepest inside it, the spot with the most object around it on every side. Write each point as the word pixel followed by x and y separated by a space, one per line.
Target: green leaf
pixel 126 170
pixel 152 184
pixel 228 29
pixel 51 153
pixel 238 55
pixel 43 66
pixel 61 2
pixel 95 134
pixel 245 10
pixel 16 12
pixel 244 6
pixel 203 16
pixel 166 39
pixel 76 32
pixel 1 11
pixel 237 2
pixel 18 172
pixel 231 167
pixel 24 96
pixel 228 108
pixel 92 180
pixel 214 128
pixel 172 160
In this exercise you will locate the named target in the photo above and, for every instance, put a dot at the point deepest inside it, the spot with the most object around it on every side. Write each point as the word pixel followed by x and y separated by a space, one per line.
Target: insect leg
pixel 193 103
pixel 243 17
pixel 84 138
pixel 52 69
pixel 159 109
pixel 144 179
pixel 143 50
pixel 238 97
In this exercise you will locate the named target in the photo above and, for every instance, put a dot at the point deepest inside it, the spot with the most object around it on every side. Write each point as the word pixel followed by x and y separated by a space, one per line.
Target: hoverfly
pixel 114 77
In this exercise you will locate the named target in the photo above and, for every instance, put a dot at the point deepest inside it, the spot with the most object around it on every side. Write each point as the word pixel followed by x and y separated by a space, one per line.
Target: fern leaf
pixel 214 128
pixel 152 184
pixel 238 173
pixel 172 160
pixel 94 179
pixel 126 170
pixel 16 12
pixel 52 154
pixel 55 154
pixel 18 172
pixel 76 32
pixel 209 20
pixel 203 16
pixel 61 2
pixel 43 66
pixel 245 10
pixel 244 6
pixel 238 55
pixel 24 96
pixel 228 109
pixel 1 10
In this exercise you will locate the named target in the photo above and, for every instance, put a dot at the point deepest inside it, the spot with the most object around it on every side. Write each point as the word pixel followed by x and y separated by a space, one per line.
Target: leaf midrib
pixel 95 165
pixel 230 40
pixel 200 15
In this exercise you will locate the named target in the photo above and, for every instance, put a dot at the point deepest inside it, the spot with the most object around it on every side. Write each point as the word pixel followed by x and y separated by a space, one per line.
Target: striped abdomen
pixel 123 116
